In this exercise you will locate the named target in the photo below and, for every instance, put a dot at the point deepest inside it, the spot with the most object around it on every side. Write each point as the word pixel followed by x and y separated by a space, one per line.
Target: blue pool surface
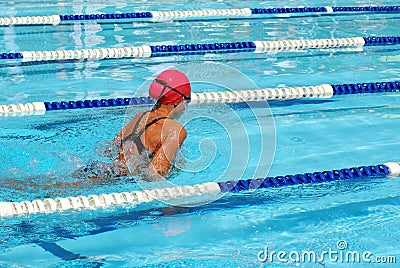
pixel 225 141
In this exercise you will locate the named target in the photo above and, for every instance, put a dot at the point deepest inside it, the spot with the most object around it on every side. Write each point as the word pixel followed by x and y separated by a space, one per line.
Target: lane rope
pixel 189 14
pixel 280 93
pixel 94 202
pixel 147 51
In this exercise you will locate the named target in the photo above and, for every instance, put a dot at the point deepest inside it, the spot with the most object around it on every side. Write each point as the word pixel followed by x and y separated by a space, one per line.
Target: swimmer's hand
pixel 152 174
pixel 117 140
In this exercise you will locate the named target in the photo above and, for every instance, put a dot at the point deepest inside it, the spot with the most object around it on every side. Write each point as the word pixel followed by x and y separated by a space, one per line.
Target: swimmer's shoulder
pixel 176 128
pixel 138 116
pixel 172 123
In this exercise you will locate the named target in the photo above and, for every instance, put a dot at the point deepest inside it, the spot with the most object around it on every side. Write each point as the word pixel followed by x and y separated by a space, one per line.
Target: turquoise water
pixel 38 153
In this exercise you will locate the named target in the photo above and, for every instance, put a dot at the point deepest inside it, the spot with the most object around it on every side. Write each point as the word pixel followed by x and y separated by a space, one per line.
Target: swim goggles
pixel 161 82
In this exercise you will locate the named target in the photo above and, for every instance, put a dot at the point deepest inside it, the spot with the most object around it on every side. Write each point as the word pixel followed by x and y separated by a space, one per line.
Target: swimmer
pixel 151 138
pixel 154 134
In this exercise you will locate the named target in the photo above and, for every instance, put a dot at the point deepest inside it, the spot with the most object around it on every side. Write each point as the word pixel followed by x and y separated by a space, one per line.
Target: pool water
pixel 225 142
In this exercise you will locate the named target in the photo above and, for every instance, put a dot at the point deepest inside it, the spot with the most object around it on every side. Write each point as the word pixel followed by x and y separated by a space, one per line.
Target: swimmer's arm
pixel 161 162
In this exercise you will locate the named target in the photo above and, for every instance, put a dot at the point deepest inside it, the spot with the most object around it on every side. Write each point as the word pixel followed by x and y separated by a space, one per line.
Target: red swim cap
pixel 170 87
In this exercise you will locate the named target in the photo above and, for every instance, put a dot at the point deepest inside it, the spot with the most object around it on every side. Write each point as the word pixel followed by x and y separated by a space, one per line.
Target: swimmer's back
pixel 154 135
